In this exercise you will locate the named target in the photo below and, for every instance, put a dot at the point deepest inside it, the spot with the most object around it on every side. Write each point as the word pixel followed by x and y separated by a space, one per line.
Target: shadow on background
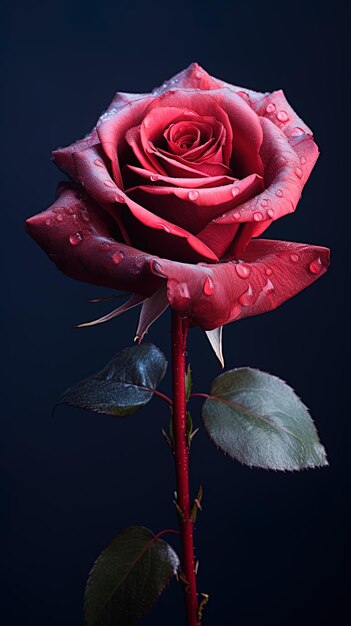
pixel 272 547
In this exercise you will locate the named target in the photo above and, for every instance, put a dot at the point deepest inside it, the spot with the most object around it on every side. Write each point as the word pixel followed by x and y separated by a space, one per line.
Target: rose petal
pixel 80 239
pixel 192 183
pixel 223 237
pixel 271 273
pixel 193 209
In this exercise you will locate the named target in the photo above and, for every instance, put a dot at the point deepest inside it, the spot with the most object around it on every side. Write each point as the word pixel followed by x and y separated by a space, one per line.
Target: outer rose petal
pixel 76 235
pixel 271 272
pixel 285 176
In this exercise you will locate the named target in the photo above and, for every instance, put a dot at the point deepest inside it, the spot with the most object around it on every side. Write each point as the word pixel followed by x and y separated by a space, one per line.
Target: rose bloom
pixel 169 193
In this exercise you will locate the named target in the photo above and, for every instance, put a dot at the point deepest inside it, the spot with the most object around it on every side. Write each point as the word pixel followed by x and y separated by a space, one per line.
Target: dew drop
pixel 268 288
pixel 85 215
pixel 258 216
pixel 270 108
pixel 75 239
pixel 208 287
pixel 119 198
pixel 193 194
pixel 246 297
pixel 244 95
pixel 236 215
pixel 59 218
pixel 270 213
pixel 282 116
pixel 164 227
pixel 48 222
pixel 297 131
pixel 294 258
pixel 69 210
pixel 99 163
pixel 268 271
pixel 235 191
pixel 265 202
pixel 198 75
pixel 242 270
pixel 154 177
pixel 109 183
pixel 302 160
pixel 298 172
pixel 316 266
pixel 279 193
pixel 117 257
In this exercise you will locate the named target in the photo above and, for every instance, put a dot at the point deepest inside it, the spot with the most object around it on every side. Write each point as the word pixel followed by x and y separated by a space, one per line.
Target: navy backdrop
pixel 272 547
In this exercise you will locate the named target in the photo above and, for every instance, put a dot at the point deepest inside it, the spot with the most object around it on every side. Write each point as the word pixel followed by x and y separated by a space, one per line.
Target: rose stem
pixel 181 458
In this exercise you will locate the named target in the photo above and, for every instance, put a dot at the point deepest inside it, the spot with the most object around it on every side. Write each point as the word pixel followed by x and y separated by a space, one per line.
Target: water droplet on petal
pixel 279 193
pixel 117 257
pixel 268 288
pixel 164 227
pixel 258 216
pixel 302 160
pixel 316 266
pixel 244 95
pixel 198 75
pixel 59 218
pixel 236 215
pixel 208 287
pixel 85 215
pixel 268 271
pixel 69 210
pixel 270 213
pixel 242 270
pixel 294 258
pixel 119 198
pixel 48 222
pixel 246 298
pixel 296 132
pixel 75 239
pixel 109 183
pixel 193 194
pixel 235 191
pixel 265 202
pixel 154 177
pixel 282 116
pixel 270 108
pixel 298 172
pixel 99 163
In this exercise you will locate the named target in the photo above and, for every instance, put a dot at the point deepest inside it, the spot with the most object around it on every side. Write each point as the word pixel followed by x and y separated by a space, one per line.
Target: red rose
pixel 168 191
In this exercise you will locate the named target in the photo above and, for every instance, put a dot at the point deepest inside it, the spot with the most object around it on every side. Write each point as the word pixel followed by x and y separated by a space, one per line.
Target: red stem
pixel 181 458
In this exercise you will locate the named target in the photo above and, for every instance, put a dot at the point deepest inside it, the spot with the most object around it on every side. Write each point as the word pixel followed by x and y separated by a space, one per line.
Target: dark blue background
pixel 272 547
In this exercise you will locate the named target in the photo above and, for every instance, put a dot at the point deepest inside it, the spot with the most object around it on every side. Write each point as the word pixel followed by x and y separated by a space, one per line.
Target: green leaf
pixel 128 577
pixel 258 420
pixel 123 386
